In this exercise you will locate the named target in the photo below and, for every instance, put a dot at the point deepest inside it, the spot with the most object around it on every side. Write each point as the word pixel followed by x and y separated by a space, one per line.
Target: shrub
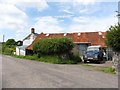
pixel 113 37
pixel 8 51
pixel 56 50
pixel 53 46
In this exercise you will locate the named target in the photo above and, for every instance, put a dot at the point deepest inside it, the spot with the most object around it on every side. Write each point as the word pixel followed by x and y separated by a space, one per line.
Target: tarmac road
pixel 20 73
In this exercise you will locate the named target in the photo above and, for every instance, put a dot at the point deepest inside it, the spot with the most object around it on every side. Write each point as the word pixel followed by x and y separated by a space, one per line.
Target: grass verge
pixel 50 59
pixel 108 70
pixel 105 69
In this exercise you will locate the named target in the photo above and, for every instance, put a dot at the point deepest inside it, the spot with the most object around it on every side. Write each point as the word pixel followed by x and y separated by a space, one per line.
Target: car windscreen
pixel 93 49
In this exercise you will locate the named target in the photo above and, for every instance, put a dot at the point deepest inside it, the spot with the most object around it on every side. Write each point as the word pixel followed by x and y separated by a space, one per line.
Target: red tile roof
pixel 95 38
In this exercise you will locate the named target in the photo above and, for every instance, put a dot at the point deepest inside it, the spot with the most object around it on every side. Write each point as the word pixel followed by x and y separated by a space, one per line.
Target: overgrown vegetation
pixel 51 46
pixel 56 50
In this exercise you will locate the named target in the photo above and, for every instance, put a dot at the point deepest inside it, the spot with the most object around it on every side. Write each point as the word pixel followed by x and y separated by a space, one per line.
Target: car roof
pixel 94 46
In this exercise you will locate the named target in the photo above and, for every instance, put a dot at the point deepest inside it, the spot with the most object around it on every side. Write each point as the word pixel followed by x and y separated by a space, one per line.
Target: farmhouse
pixel 21 50
pixel 81 40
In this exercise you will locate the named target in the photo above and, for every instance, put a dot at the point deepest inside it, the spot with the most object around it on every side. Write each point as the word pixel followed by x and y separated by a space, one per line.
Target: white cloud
pixel 38 4
pixel 80 20
pixel 47 24
pixel 64 16
pixel 91 24
pixel 67 11
pixel 11 18
pixel 50 24
pixel 79 7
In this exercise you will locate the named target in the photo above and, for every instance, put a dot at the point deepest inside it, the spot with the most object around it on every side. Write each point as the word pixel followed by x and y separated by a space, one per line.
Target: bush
pixel 53 46
pixel 56 50
pixel 113 37
pixel 8 51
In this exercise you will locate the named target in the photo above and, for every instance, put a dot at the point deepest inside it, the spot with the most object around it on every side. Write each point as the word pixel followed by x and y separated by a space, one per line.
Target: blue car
pixel 94 53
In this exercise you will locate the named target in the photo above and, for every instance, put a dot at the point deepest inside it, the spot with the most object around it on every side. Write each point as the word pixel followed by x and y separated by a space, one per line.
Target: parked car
pixel 94 53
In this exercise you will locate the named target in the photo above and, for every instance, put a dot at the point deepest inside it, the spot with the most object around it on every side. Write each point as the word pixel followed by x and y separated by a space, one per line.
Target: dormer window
pixel 100 33
pixel 79 34
pixel 103 36
pixel 65 34
pixel 47 35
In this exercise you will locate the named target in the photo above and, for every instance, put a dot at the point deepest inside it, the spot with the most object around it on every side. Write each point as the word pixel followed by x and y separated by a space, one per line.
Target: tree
pixel 113 37
pixel 10 42
pixel 113 41
pixel 9 46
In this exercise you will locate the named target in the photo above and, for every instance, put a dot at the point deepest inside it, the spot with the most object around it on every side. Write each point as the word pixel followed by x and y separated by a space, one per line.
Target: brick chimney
pixel 32 30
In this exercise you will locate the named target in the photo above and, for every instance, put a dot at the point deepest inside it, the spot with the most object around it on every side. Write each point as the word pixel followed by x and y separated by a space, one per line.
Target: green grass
pixel 108 70
pixel 105 69
pixel 49 59
pixel 55 60
pixel 29 57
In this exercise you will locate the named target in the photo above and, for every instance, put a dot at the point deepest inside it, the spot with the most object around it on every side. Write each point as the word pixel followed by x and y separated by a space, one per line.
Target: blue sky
pixel 48 16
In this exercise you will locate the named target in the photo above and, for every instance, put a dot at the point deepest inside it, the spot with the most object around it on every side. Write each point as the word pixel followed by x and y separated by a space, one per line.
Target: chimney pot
pixel 32 30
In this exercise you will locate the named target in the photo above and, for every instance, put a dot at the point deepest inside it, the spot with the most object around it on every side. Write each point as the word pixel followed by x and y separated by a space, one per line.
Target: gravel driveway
pixel 19 73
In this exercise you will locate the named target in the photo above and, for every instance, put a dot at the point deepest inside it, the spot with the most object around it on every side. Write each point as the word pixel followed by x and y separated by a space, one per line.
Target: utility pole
pixel 3 38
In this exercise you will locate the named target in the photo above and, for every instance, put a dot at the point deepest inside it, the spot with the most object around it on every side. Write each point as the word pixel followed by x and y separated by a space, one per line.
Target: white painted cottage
pixel 21 50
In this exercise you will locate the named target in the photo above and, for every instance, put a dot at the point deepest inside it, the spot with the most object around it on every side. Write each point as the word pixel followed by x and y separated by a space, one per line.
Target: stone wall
pixel 116 61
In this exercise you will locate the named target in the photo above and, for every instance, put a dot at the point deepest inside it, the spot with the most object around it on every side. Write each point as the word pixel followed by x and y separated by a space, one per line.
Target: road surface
pixel 20 73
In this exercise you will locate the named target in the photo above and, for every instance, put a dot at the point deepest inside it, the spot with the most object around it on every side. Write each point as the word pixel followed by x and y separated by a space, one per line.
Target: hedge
pixel 59 45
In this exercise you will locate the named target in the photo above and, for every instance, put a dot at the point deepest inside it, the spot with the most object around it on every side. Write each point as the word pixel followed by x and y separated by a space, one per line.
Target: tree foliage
pixel 54 45
pixel 9 46
pixel 10 42
pixel 113 37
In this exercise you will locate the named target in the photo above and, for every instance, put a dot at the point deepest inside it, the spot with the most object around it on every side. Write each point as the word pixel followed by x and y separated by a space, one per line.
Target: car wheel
pixel 85 61
pixel 99 62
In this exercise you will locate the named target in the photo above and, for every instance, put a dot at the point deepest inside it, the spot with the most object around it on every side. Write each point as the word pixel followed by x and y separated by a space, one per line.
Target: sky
pixel 17 17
